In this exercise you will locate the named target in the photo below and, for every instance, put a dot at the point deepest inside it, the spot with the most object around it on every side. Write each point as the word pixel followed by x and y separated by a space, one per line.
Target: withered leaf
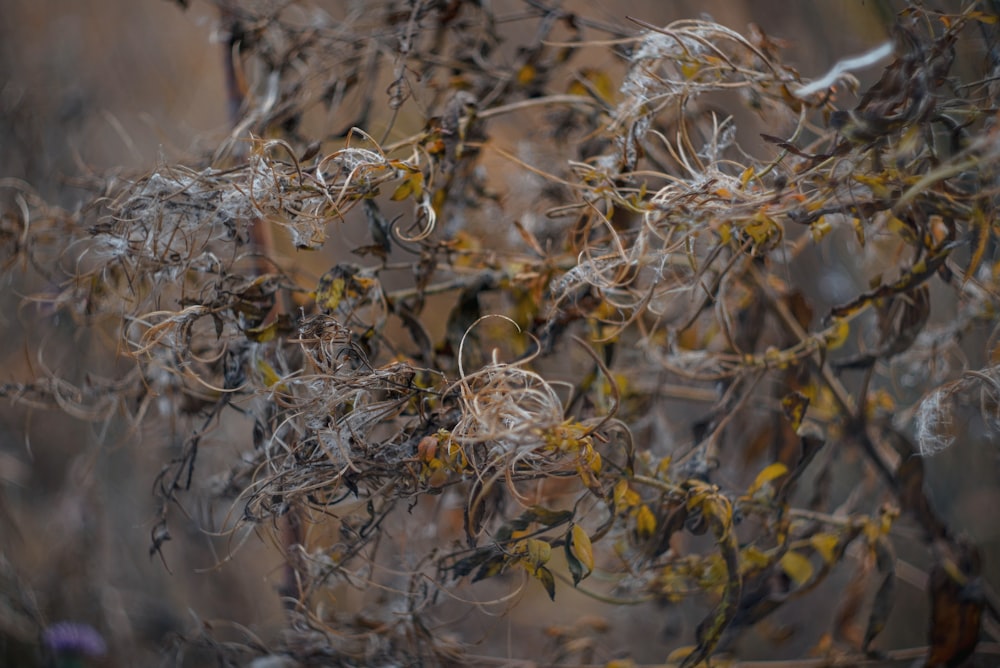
pixel 579 553
pixel 544 575
pixel 885 562
pixel 795 405
pixel 718 511
pixel 957 601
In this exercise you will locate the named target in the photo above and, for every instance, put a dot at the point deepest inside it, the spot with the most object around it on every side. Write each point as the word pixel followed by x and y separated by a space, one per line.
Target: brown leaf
pixel 957 600
pixel 885 562
pixel 845 627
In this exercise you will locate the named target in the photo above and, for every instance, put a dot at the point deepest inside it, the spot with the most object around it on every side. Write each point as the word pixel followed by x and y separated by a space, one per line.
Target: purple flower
pixel 74 638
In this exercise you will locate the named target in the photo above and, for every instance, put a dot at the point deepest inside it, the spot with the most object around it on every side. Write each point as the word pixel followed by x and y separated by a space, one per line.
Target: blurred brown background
pixel 102 85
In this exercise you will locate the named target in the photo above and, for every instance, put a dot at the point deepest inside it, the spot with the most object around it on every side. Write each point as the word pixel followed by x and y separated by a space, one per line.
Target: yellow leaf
pixel 681 653
pixel 593 458
pixel 770 473
pixel 753 559
pixel 825 545
pixel 539 552
pixel 526 74
pixel 820 228
pixel 624 497
pixel 877 185
pixel 836 334
pixel 330 293
pixel 663 467
pixel 411 185
pixel 897 226
pixel 762 228
pixel 795 405
pixel 745 177
pixel 620 663
pixel 579 553
pixel 600 85
pixel 438 199
pixel 645 521
pixel 264 333
pixel 582 547
pixel 690 69
pixel 268 373
pixel 725 233
pixel 886 518
pixel 797 566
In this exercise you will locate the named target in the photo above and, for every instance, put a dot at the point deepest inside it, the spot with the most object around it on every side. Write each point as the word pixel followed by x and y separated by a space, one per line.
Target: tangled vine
pixel 631 355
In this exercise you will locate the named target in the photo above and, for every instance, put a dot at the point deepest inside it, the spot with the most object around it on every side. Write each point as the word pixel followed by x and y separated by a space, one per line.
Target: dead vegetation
pixel 645 385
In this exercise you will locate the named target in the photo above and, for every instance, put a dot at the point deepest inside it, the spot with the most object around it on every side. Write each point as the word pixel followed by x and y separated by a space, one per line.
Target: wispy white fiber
pixel 846 65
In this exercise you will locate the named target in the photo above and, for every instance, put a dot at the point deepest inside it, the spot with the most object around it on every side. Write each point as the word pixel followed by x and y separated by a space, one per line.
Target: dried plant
pixel 558 365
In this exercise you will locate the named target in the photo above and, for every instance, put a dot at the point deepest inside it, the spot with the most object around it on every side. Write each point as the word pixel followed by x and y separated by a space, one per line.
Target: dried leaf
pixel 719 513
pixel 544 575
pixel 957 602
pixel 270 376
pixel 766 476
pixel 379 227
pixel 475 510
pixel 885 562
pixel 538 552
pixel 550 518
pixel 412 186
pixel 981 228
pixel 579 553
pixel 797 567
pixel 645 521
pixel 795 405
pixel 826 545
pixel 836 335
